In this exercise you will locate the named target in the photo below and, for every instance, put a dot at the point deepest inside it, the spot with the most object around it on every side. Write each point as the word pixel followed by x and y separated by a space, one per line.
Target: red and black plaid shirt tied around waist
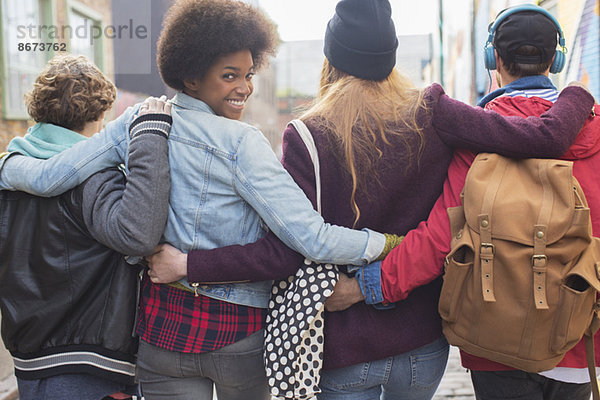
pixel 177 320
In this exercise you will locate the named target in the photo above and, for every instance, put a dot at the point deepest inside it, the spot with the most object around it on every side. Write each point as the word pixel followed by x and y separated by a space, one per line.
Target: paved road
pixel 8 383
pixel 456 383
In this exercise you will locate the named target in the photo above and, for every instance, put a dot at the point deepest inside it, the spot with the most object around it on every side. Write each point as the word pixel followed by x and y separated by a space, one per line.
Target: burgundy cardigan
pixel 403 195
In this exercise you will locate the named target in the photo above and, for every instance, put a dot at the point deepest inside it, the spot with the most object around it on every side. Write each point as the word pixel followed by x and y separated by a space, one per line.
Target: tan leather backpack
pixel 521 279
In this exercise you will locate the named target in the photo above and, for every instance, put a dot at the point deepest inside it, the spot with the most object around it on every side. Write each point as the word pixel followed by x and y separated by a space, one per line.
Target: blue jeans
pixel 67 386
pixel 414 375
pixel 236 370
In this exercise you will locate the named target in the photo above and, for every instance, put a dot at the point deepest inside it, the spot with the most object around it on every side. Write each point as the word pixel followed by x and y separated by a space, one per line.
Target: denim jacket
pixel 227 187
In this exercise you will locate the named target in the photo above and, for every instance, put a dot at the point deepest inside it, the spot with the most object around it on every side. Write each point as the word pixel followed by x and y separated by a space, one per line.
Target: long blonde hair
pixel 357 112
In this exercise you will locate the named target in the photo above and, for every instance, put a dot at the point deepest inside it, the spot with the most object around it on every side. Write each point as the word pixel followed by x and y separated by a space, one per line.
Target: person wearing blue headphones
pixel 522 48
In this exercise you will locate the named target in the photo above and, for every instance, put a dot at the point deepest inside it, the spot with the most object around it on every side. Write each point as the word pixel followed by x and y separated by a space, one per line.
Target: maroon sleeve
pixel 462 126
pixel 267 258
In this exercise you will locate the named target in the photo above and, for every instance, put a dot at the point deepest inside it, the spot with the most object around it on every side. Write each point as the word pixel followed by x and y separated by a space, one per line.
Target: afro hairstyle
pixel 197 32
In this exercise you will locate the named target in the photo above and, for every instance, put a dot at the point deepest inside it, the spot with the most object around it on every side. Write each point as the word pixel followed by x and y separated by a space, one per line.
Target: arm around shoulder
pixel 130 216
pixel 462 126
pixel 71 167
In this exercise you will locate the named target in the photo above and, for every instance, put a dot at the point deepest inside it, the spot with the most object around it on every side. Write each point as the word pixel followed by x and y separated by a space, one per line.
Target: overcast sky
pixel 306 19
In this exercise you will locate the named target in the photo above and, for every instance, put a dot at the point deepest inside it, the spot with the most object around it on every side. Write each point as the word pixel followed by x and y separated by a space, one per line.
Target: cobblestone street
pixel 8 388
pixel 8 384
pixel 456 383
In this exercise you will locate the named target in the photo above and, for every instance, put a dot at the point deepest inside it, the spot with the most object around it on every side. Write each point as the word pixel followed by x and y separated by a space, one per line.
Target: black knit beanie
pixel 361 39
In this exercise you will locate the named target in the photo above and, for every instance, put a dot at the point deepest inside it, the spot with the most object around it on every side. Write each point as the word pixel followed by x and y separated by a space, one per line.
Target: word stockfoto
pixel 85 31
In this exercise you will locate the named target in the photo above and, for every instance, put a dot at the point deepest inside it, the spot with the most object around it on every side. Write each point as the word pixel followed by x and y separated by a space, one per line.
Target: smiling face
pixel 226 85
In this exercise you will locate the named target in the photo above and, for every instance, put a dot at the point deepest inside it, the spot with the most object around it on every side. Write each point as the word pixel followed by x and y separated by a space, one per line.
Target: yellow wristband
pixel 391 241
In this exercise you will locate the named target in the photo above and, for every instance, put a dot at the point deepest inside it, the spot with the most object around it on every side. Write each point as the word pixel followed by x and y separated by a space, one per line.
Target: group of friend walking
pixel 93 307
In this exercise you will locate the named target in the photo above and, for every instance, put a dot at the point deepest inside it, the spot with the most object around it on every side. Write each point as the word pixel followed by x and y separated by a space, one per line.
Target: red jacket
pixel 419 259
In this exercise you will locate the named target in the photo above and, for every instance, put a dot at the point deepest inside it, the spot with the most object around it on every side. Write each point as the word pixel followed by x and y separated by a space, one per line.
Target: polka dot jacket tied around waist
pixel 294 334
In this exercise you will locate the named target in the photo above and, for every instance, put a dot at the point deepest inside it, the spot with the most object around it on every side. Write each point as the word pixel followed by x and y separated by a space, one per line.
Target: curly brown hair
pixel 197 32
pixel 70 92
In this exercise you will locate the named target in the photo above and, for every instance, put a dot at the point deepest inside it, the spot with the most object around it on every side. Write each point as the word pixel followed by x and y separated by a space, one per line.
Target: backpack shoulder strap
pixel 309 142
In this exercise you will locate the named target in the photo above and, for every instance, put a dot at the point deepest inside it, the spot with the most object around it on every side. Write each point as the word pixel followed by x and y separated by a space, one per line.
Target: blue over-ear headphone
pixel 489 58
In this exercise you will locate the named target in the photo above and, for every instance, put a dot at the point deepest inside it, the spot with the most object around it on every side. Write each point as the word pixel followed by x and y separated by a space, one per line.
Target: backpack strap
pixel 591 362
pixel 309 142
pixel 487 251
pixel 538 265
pixel 539 259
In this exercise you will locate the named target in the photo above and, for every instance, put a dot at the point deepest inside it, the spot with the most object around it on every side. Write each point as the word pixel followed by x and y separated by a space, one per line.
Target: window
pixel 86 32
pixel 21 20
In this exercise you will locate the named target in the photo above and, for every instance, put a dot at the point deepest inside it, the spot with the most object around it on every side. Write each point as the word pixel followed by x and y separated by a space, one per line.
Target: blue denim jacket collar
pixel 191 103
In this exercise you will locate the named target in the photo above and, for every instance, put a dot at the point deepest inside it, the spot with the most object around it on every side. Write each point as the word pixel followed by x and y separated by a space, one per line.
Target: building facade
pixel 119 37
pixel 581 24
pixel 33 31
pixel 462 41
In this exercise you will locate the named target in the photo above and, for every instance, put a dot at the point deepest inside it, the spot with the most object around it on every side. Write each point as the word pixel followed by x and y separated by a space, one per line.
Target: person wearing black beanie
pixel 361 39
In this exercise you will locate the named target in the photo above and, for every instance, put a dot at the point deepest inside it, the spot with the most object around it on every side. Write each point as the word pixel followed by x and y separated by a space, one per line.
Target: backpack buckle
pixel 538 257
pixel 485 245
